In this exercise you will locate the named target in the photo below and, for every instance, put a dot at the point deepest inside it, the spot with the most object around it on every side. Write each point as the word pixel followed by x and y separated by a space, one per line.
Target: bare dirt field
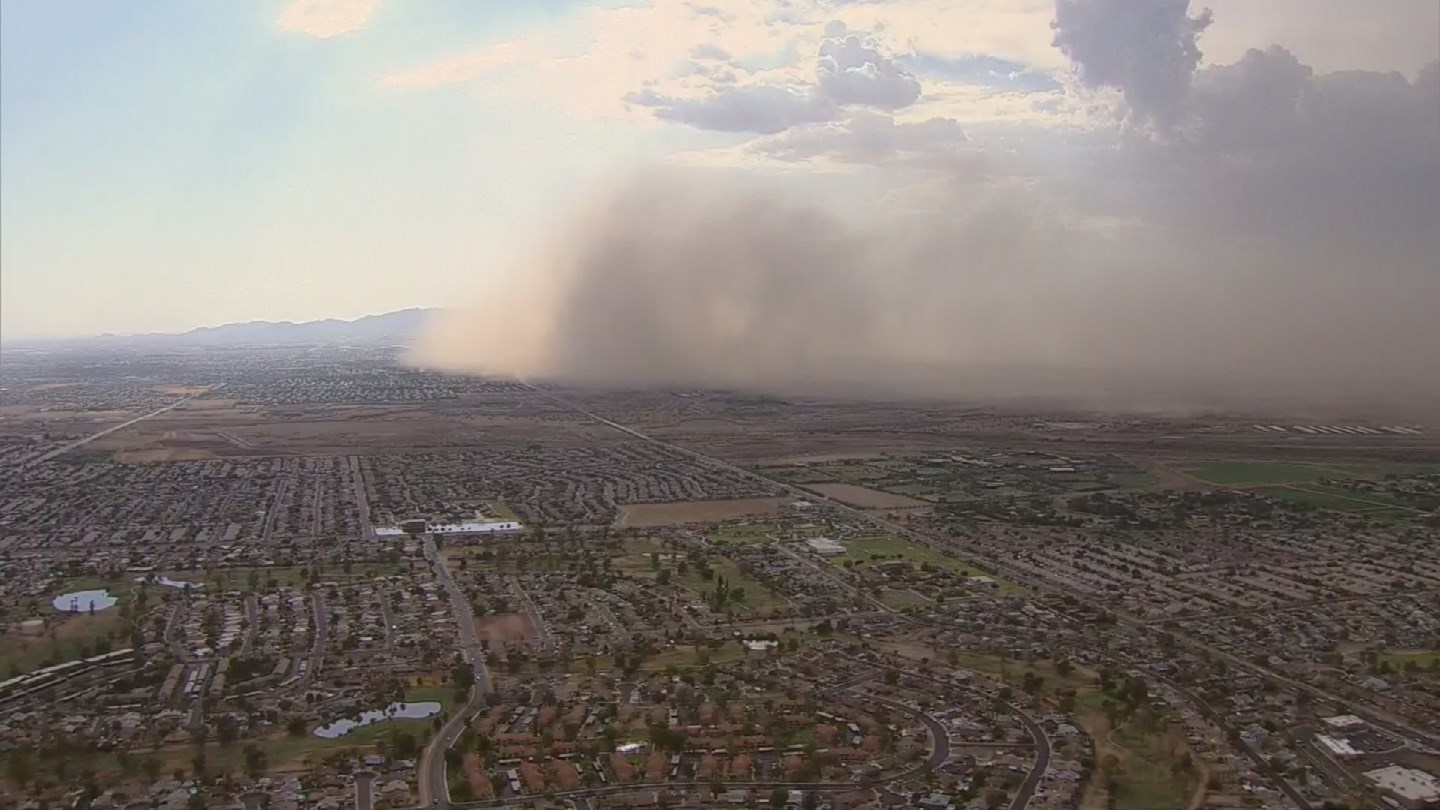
pixel 475 775
pixel 864 497
pixel 182 390
pixel 164 454
pixel 505 627
pixel 211 405
pixel 664 514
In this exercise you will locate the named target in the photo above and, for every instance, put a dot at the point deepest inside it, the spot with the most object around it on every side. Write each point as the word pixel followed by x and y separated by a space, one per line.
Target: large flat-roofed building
pixel 498 527
pixel 1345 722
pixel 825 547
pixel 1414 789
pixel 1336 747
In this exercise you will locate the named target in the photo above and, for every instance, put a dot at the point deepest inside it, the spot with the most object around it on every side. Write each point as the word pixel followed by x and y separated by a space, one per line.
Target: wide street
pixel 434 792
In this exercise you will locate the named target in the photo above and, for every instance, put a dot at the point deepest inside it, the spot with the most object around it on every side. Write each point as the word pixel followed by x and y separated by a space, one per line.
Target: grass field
pixel 758 598
pixel 1135 480
pixel 1143 779
pixel 1261 472
pixel 861 550
pixel 1399 659
pixel 67 636
pixel 1323 497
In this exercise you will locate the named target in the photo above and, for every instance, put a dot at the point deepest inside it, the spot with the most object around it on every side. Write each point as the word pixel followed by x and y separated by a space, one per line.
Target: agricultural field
pixel 1261 472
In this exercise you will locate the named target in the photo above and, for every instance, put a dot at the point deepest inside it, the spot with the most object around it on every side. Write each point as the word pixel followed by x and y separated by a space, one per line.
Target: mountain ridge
pixel 401 325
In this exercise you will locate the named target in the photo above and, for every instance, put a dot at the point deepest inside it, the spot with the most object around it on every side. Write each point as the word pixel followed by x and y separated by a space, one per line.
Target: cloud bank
pixel 1254 234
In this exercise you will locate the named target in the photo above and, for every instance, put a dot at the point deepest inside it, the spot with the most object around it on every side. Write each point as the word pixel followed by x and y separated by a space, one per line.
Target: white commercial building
pixel 825 547
pixel 1414 789
pixel 1337 747
pixel 1345 722
pixel 502 527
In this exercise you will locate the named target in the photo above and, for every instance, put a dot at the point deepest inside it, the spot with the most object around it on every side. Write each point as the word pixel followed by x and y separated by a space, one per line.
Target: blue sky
pixel 174 164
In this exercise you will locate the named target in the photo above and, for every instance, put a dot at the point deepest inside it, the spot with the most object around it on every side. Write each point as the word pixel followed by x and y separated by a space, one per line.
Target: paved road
pixel 273 513
pixel 434 792
pixel 362 499
pixel 542 629
pixel 322 633
pixel 252 624
pixel 1259 762
pixel 63 449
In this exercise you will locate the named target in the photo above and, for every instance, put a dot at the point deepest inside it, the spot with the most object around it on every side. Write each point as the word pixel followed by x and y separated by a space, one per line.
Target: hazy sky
pixel 173 164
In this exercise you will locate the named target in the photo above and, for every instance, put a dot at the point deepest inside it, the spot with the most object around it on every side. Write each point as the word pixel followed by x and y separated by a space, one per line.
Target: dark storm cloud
pixel 1147 50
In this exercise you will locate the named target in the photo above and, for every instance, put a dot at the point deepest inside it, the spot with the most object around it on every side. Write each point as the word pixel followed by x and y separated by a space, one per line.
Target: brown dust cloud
pixel 672 282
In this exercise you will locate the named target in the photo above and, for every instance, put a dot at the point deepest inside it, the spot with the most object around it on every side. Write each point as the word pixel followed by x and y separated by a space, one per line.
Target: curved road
pixel 434 792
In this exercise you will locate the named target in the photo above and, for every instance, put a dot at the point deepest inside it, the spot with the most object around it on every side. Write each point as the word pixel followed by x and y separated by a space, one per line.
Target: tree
pixel 227 730
pixel 21 766
pixel 197 766
pixel 255 761
pixel 296 726
pixel 778 796
pixel 404 744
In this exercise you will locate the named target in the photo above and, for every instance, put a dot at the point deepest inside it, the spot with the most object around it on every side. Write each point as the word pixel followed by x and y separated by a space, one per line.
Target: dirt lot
pixel 505 627
pixel 164 454
pixel 475 775
pixel 864 497
pixel 664 514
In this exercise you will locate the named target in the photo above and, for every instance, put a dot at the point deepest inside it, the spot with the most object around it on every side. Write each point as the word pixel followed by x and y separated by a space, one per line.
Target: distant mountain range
pixel 401 327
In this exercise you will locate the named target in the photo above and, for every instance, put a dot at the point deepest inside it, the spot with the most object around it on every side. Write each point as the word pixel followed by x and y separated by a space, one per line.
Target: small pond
pixel 84 601
pixel 395 711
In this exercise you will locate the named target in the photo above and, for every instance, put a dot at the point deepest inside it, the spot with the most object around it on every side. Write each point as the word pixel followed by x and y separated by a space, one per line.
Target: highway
pixel 434 792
